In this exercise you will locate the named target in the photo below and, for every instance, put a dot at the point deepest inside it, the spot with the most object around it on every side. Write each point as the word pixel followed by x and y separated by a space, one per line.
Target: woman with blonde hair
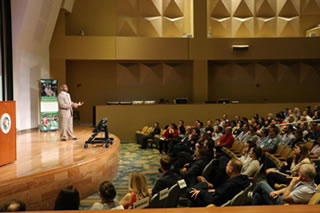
pixel 138 189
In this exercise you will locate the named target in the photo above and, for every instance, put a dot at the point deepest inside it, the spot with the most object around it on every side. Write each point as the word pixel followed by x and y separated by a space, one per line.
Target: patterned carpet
pixel 132 159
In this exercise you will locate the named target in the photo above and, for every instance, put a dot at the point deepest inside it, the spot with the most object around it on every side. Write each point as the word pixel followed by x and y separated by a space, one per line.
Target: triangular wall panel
pixel 150 8
pixel 288 27
pixel 220 27
pixel 150 26
pixel 127 8
pixel 127 26
pixel 220 8
pixel 243 8
pixel 288 8
pixel 243 27
pixel 266 8
pixel 266 27
pixel 173 8
pixel 173 27
pixel 311 7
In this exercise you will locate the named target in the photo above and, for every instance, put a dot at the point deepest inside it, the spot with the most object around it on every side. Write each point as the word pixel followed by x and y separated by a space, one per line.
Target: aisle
pixel 131 159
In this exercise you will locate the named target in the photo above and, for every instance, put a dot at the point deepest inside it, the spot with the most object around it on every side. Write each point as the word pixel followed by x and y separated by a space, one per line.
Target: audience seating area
pixel 199 160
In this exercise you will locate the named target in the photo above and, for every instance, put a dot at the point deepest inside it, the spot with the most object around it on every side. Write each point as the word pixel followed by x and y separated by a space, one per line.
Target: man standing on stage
pixel 66 113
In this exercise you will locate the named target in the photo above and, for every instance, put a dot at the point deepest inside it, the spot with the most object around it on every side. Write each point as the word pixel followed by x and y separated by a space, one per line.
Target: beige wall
pixel 287 81
pixel 255 18
pixel 111 56
pixel 94 17
pixel 97 82
pixel 130 18
pixel 33 23
pixel 124 121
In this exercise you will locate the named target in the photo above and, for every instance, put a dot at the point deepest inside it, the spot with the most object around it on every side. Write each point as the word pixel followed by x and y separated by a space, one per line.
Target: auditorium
pixel 160 105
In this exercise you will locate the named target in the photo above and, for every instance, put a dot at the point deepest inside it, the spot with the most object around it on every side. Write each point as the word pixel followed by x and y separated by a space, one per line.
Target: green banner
pixel 49 105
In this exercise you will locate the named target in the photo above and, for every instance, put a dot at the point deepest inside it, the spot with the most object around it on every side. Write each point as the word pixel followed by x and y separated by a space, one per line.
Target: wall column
pixel 198 52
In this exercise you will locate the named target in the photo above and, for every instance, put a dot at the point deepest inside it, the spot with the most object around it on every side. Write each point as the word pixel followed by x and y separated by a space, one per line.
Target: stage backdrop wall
pixel 125 120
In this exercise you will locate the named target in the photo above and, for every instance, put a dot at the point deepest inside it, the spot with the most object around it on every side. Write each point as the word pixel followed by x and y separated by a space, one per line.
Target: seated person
pixel 270 144
pixel 170 134
pixel 187 144
pixel 315 151
pixel 168 178
pixel 13 206
pixel 181 128
pixel 299 191
pixel 217 134
pixel 193 169
pixel 300 157
pixel 107 193
pixel 209 128
pixel 245 157
pixel 227 139
pixel 156 131
pixel 138 189
pixel 244 133
pixel 252 166
pixel 68 199
pixel 287 136
pixel 201 195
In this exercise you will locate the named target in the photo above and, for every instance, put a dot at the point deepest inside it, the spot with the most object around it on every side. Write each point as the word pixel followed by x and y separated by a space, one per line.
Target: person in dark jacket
pixel 192 170
pixel 168 178
pixel 201 195
pixel 156 131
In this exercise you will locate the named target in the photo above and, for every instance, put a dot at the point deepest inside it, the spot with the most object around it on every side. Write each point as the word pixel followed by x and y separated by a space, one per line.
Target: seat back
pixel 279 149
pixel 158 201
pixel 274 159
pixel 173 197
pixel 239 147
pixel 309 145
pixel 149 130
pixel 285 152
pixel 144 129
pixel 141 204
pixel 208 168
pixel 255 176
pixel 235 144
pixel 241 197
pixel 315 199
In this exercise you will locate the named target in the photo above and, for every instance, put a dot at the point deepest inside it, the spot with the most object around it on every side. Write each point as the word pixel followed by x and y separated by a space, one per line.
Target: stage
pixel 45 165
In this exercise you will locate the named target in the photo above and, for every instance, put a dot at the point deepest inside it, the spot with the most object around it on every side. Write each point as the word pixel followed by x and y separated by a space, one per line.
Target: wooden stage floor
pixel 46 164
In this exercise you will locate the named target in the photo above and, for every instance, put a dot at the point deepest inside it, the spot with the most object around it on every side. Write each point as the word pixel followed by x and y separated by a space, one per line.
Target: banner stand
pixel 49 108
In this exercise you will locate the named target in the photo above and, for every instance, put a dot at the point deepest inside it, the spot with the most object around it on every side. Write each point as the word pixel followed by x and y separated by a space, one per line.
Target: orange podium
pixel 7 132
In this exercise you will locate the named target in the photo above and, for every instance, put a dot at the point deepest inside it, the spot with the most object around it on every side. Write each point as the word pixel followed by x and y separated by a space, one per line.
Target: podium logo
pixel 5 123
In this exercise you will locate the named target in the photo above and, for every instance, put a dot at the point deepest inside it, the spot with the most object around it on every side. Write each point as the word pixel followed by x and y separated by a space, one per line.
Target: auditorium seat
pixel 155 201
pixel 316 197
pixel 140 134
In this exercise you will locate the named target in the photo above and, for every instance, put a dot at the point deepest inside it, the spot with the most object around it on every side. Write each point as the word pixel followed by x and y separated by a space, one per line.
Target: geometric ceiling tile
pixel 266 8
pixel 150 26
pixel 127 8
pixel 127 26
pixel 173 8
pixel 242 27
pixel 311 7
pixel 220 27
pixel 288 8
pixel 173 27
pixel 220 8
pixel 243 8
pixel 150 8
pixel 265 27
pixel 288 27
